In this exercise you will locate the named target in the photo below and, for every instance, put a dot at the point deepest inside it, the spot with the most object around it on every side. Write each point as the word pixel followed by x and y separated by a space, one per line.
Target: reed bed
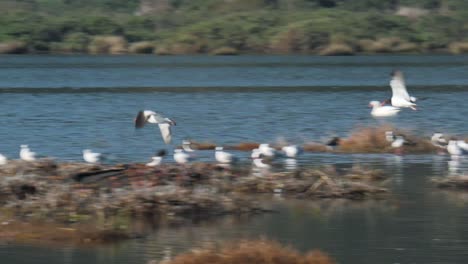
pixel 254 251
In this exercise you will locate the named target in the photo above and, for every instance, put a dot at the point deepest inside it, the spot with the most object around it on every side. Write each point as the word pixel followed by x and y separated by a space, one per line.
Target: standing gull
pixel 181 157
pixel 3 159
pixel 266 150
pixel 26 154
pixel 222 156
pixel 91 157
pixel 438 140
pixel 164 123
pixel 400 96
pixel 291 151
pixel 186 145
pixel 454 149
pixel 156 160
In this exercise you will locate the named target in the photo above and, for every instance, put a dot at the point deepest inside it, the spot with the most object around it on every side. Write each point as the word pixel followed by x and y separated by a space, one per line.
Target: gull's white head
pixel 177 151
pixel 219 148
pixel 374 103
pixel 86 151
pixel 264 145
pixel 24 146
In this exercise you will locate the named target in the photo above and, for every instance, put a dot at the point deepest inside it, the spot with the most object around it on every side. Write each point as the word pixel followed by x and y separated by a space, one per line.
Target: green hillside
pixel 325 27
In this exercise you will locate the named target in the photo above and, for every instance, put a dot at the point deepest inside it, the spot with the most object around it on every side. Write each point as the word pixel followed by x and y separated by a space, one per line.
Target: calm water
pixel 60 105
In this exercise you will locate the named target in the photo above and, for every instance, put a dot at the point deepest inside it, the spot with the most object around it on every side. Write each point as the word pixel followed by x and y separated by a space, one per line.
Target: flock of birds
pixel 390 107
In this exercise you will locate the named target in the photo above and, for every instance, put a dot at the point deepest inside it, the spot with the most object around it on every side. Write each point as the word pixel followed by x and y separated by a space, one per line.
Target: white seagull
pixel 156 160
pixel 291 151
pixel 255 153
pixel 266 150
pixel 181 157
pixel 26 154
pixel 463 145
pixel 91 157
pixel 186 145
pixel 389 136
pixel 398 142
pixel 152 117
pixel 454 149
pixel 382 111
pixel 3 159
pixel 258 163
pixel 222 156
pixel 400 96
pixel 438 140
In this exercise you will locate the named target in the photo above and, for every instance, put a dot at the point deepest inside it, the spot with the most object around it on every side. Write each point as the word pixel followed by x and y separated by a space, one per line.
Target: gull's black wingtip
pixel 140 120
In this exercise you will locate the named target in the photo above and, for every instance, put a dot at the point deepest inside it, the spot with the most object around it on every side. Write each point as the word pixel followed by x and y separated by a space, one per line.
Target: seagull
pixel 181 157
pixel 156 160
pixel 291 151
pixel 454 149
pixel 91 157
pixel 266 150
pixel 333 143
pixel 164 123
pixel 438 140
pixel 186 146
pixel 382 111
pixel 389 136
pixel 463 145
pixel 255 153
pixel 400 96
pixel 222 156
pixel 290 164
pixel 398 142
pixel 3 159
pixel 258 163
pixel 26 154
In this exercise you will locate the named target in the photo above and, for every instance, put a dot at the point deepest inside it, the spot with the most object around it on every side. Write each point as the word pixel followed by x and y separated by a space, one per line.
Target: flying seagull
pixel 400 96
pixel 152 117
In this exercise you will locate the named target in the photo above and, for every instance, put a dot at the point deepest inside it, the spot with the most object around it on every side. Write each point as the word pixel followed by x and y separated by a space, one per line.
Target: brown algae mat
pixel 360 140
pixel 255 251
pixel 77 195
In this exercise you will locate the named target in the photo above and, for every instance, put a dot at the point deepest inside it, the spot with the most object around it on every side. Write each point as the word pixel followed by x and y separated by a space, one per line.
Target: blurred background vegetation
pixel 326 27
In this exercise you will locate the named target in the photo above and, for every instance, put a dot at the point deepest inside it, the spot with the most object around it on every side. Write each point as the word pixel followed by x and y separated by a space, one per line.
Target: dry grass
pixel 382 45
pixel 142 47
pixel 315 147
pixel 372 140
pixel 108 45
pixel 203 145
pixel 225 51
pixel 337 49
pixel 14 47
pixel 407 47
pixel 245 146
pixel 458 47
pixel 287 41
pixel 250 252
